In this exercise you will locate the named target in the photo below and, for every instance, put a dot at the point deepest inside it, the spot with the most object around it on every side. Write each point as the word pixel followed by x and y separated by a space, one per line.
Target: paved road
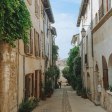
pixel 65 100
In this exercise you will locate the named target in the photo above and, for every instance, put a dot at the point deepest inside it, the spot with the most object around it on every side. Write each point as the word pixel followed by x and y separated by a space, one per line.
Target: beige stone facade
pixel 97 75
pixel 8 78
pixel 22 69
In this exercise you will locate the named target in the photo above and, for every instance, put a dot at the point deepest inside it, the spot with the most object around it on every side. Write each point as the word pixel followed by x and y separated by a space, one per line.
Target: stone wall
pixel 8 79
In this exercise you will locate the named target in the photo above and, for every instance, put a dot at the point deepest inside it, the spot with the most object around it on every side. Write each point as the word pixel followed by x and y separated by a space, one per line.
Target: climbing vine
pixel 15 21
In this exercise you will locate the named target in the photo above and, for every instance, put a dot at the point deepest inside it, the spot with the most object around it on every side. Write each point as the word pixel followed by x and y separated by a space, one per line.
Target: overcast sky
pixel 65 14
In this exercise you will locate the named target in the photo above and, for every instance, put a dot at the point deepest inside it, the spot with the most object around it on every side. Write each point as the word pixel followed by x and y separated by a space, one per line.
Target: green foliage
pixel 28 105
pixel 55 49
pixel 72 54
pixel 66 73
pixel 73 72
pixel 15 21
pixel 52 71
pixel 48 86
pixel 52 74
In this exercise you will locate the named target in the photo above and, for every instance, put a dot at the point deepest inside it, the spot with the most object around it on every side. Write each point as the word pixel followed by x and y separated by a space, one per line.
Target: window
pixel 28 48
pixel 37 44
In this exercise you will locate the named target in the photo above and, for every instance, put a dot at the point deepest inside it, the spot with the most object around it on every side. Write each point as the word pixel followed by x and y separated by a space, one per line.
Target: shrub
pixel 84 93
pixel 28 105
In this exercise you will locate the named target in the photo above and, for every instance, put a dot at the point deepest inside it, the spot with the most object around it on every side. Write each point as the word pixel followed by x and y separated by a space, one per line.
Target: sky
pixel 65 14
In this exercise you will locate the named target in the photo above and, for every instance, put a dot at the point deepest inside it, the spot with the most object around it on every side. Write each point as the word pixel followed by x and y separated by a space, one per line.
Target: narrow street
pixel 66 100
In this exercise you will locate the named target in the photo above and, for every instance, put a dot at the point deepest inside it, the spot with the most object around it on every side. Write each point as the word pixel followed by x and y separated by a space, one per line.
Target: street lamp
pixel 83 32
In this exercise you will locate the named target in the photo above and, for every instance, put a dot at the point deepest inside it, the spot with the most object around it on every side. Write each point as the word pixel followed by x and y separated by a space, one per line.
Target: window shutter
pixel 27 86
pixel 31 41
pixel 26 48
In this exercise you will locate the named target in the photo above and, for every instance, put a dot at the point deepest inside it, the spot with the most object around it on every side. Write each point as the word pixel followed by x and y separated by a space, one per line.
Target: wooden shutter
pixel 27 49
pixel 36 83
pixel 32 84
pixel 27 86
pixel 37 44
pixel 31 41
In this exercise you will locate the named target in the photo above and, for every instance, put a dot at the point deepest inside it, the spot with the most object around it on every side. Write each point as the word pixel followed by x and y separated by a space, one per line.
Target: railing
pixel 101 11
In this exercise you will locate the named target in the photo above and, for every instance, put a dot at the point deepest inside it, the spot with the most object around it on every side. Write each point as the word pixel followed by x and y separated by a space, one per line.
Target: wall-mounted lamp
pixel 83 32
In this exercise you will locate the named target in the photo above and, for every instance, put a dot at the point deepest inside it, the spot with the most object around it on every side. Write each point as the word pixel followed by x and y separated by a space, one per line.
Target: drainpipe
pixel 92 47
pixel 18 75
pixel 23 77
pixel 82 63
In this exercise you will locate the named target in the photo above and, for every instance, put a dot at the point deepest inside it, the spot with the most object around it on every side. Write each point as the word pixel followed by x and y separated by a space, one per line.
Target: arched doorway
pixel 110 70
pixel 105 73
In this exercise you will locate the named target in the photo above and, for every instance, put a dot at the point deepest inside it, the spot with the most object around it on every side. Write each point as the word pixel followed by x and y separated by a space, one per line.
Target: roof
pixel 48 10
pixel 82 11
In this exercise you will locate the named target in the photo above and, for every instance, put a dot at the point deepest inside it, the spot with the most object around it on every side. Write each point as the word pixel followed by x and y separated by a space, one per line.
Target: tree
pixel 77 74
pixel 66 73
pixel 73 72
pixel 55 49
pixel 70 61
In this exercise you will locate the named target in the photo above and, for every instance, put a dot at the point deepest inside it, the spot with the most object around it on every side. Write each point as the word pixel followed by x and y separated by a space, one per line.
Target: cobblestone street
pixel 65 100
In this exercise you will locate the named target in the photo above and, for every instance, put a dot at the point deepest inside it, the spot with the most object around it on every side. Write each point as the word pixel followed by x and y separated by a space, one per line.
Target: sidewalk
pixel 65 100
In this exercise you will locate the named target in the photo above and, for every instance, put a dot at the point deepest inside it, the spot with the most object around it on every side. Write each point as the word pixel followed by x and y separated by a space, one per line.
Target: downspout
pixel 18 76
pixel 92 49
pixel 23 77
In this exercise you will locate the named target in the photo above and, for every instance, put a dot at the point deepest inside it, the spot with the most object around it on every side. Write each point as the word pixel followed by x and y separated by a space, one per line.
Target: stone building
pixel 84 22
pixel 22 69
pixel 96 18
